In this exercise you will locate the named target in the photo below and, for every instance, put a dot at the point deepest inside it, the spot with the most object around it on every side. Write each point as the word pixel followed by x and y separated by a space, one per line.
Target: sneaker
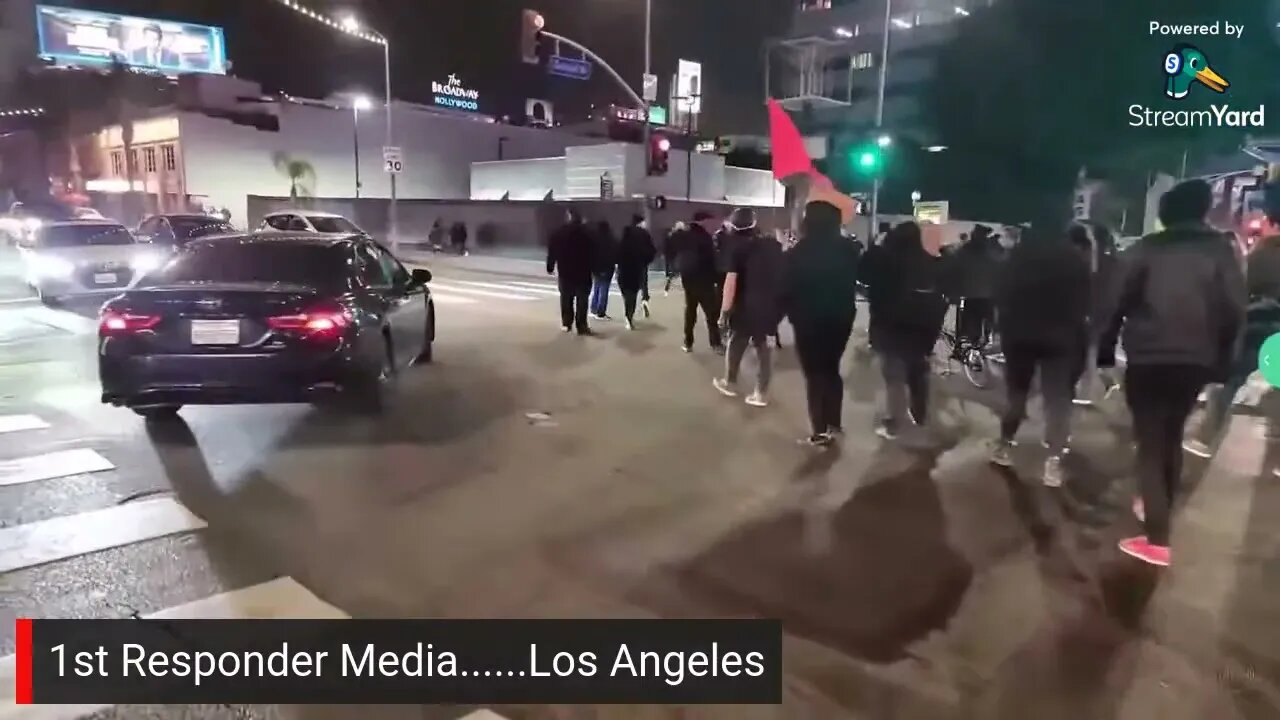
pixel 687 348
pixel 1053 471
pixel 757 399
pixel 820 440
pixel 884 433
pixel 586 332
pixel 1000 453
pixel 602 317
pixel 1197 448
pixel 1082 402
pixel 644 306
pixel 631 324
pixel 1139 510
pixel 566 328
pixel 1066 449
pixel 1140 548
pixel 724 387
pixel 835 432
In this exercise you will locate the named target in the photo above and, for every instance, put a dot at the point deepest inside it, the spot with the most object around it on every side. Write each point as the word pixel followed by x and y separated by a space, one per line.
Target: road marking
pixel 482 293
pixel 545 290
pixel 282 598
pixel 63 320
pixel 535 286
pixel 52 465
pixel 19 301
pixel 452 299
pixel 14 423
pixel 46 541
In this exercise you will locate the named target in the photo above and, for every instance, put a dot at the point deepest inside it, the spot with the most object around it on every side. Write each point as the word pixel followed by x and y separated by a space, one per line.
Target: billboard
pixel 78 37
pixel 689 87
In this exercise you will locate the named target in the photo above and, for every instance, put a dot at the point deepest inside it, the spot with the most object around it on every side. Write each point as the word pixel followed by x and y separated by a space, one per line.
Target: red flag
pixel 789 154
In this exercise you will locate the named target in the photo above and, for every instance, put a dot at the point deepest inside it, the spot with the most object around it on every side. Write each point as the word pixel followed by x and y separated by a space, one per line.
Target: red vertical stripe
pixel 22 681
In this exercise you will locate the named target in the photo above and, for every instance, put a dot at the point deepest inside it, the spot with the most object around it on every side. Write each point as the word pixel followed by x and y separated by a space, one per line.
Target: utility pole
pixel 884 71
pixel 644 111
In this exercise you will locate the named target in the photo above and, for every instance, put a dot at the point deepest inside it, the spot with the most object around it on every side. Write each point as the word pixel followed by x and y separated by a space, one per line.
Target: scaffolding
pixel 796 72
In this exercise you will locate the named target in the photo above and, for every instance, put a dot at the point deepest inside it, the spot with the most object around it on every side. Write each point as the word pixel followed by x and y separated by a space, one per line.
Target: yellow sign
pixel 938 212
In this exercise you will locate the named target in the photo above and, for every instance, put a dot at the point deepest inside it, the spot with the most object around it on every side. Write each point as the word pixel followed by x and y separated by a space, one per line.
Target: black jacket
pixel 1264 268
pixel 1180 300
pixel 903 288
pixel 821 271
pixel 757 260
pixel 973 268
pixel 606 249
pixel 571 252
pixel 1043 295
pixel 635 252
pixel 696 256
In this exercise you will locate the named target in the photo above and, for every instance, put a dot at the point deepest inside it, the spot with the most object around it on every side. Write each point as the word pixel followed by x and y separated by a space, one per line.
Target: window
pixel 297 224
pixel 170 157
pixel 373 272
pixel 278 222
pixel 149 226
pixel 80 235
pixel 133 159
pixel 117 163
pixel 392 268
pixel 333 224
pixel 862 61
pixel 149 159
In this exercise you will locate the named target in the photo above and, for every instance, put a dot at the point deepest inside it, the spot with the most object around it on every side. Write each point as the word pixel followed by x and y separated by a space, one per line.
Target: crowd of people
pixel 1189 309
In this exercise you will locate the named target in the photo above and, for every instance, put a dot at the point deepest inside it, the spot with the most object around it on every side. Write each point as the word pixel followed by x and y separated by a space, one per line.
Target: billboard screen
pixel 689 87
pixel 77 37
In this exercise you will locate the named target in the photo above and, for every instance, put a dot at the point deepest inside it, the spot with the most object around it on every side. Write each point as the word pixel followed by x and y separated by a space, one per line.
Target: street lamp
pixel 352 26
pixel 884 141
pixel 358 103
pixel 916 196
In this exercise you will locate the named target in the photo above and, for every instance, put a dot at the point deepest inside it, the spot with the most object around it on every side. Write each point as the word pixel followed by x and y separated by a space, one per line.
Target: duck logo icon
pixel 1185 65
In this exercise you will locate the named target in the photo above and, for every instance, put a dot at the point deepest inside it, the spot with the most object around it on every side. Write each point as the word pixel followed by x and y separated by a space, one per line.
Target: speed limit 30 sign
pixel 392 161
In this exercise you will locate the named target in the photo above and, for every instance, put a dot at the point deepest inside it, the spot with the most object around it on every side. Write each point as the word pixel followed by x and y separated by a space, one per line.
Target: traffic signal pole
pixel 884 70
pixel 644 113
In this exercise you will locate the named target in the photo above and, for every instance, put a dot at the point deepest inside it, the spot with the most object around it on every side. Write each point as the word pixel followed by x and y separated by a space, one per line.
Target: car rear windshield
pixel 317 266
pixel 62 236
pixel 192 228
pixel 333 224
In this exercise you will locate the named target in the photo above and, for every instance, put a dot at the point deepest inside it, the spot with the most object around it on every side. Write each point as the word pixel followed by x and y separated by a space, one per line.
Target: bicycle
pixel 973 357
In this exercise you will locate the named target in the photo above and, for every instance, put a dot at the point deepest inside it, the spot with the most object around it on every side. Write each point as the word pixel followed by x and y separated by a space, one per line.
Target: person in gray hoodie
pixel 1180 303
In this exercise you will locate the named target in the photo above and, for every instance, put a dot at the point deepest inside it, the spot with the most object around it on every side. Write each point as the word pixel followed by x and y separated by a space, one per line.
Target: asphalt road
pixel 532 474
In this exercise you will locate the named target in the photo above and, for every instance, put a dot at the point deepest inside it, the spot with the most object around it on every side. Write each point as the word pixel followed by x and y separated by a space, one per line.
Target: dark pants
pixel 820 347
pixel 1160 399
pixel 703 295
pixel 738 344
pixel 629 296
pixel 573 302
pixel 644 285
pixel 906 380
pixel 974 321
pixel 1056 367
pixel 600 293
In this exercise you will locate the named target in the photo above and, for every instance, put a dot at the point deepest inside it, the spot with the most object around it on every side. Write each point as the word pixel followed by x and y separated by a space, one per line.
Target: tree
pixel 1030 92
pixel 301 174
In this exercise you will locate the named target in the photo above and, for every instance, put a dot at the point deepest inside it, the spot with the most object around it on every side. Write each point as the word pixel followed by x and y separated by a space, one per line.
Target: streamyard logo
pixel 1187 67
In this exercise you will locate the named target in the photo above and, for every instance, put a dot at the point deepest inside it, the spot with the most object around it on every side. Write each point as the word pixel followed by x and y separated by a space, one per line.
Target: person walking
pixel 435 237
pixel 669 253
pixel 635 252
pixel 820 300
pixel 606 260
pixel 696 260
pixel 570 255
pixel 907 310
pixel 975 265
pixel 751 306
pixel 458 235
pixel 1097 246
pixel 1042 305
pixel 1181 305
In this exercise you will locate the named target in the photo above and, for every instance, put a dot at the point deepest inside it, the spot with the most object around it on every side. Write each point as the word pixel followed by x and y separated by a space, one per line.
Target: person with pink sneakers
pixel 1180 302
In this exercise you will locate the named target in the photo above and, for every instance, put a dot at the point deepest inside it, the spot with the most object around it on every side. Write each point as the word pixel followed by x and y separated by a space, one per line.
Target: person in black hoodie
pixel 696 260
pixel 907 309
pixel 821 302
pixel 975 264
pixel 570 256
pixel 751 307
pixel 606 260
pixel 635 252
pixel 1181 305
pixel 1042 302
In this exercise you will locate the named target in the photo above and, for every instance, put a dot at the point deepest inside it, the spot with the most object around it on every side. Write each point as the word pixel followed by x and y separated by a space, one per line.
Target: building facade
pixel 826 69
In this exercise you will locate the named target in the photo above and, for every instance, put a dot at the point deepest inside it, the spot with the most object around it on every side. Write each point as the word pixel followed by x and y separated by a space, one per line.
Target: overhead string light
pixel 349 27
pixel 22 112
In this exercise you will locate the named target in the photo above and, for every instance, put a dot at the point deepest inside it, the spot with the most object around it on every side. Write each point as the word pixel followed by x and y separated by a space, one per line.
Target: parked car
pixel 309 221
pixel 172 231
pixel 79 257
pixel 87 213
pixel 24 218
pixel 266 318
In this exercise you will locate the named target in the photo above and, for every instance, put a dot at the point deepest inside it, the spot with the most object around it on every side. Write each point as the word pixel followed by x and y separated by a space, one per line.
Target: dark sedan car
pixel 176 230
pixel 265 318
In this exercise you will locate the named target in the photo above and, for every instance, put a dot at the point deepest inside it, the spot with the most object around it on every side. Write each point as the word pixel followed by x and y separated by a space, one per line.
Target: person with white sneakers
pixel 751 306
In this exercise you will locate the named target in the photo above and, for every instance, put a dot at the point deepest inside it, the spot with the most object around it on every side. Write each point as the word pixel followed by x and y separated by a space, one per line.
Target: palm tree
pixel 301 174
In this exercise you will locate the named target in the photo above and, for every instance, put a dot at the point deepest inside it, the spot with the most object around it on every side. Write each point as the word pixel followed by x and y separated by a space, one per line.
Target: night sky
pixel 478 40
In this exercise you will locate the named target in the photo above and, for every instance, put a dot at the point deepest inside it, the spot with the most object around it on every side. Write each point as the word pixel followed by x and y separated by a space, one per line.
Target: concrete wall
pixel 518 179
pixel 226 162
pixel 585 164
pixel 754 187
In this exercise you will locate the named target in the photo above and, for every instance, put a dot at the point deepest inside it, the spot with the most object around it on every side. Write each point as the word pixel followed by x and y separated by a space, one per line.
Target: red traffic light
pixel 659 146
pixel 664 144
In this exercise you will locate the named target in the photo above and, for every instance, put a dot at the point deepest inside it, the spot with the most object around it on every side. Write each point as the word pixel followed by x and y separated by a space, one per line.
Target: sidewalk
pixel 525 267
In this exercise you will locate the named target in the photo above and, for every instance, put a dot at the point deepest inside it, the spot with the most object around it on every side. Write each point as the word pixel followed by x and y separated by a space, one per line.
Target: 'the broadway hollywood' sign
pixel 452 94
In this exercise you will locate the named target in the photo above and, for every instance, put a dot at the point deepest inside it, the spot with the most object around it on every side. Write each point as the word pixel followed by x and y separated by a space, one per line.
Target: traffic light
pixel 659 149
pixel 869 156
pixel 531 26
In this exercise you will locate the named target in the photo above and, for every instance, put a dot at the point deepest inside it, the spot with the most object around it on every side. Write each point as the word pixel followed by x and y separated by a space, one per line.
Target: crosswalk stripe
pixel 534 286
pixel 445 299
pixel 62 320
pixel 59 538
pixel 545 290
pixel 481 293
pixel 14 423
pixel 279 599
pixel 52 465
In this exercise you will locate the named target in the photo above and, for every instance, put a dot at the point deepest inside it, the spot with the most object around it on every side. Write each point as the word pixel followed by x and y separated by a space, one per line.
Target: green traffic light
pixel 868 160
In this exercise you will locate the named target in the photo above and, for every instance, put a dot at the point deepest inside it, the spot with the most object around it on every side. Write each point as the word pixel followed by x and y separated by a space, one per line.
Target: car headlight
pixel 146 262
pixel 54 267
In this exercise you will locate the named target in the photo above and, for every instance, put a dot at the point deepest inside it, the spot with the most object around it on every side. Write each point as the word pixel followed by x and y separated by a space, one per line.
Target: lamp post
pixel 884 69
pixel 352 26
pixel 358 103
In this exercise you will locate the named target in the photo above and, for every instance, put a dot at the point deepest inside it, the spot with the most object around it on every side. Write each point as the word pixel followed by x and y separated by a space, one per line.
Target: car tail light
pixel 112 322
pixel 326 321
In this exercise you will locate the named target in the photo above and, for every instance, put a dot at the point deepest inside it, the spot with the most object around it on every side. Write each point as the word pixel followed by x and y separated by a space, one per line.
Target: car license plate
pixel 104 278
pixel 215 332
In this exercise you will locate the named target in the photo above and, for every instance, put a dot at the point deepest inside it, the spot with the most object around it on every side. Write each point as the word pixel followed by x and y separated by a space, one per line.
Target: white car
pixel 309 221
pixel 61 259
